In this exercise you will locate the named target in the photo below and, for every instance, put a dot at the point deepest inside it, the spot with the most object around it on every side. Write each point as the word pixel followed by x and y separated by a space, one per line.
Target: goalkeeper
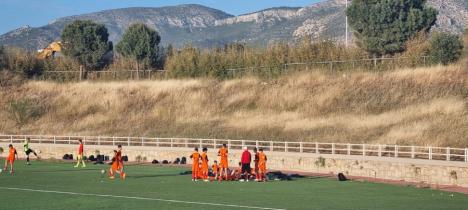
pixel 28 150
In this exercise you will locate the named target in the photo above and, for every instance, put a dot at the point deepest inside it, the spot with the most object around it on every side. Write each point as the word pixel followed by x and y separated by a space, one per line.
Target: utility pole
pixel 346 35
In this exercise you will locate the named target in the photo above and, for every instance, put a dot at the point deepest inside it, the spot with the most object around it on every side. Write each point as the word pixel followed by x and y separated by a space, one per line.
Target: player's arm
pixel 191 156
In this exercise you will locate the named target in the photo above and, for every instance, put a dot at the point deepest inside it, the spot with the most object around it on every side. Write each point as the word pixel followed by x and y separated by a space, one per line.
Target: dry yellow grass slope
pixel 425 106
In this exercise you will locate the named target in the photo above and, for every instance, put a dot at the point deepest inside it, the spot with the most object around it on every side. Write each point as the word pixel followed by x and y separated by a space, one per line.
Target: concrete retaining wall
pixel 399 169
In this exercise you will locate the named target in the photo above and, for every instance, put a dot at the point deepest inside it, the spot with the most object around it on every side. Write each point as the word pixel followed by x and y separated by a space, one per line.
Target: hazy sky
pixel 17 13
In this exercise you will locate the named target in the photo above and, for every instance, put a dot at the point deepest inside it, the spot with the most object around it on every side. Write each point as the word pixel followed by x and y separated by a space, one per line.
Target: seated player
pixel 12 156
pixel 200 171
pixel 236 173
pixel 214 169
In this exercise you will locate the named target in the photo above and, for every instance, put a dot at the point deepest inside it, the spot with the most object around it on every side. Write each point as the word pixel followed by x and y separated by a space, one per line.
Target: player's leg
pixel 27 156
pixel 78 157
pixel 6 164
pixel 83 164
pixel 11 166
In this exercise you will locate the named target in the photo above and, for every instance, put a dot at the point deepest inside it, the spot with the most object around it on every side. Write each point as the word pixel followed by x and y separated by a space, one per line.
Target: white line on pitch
pixel 138 198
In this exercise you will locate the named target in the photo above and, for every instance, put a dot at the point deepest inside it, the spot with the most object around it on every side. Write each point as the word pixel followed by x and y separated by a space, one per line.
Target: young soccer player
pixel 80 155
pixel 117 164
pixel 215 169
pixel 223 154
pixel 195 162
pixel 12 156
pixel 246 159
pixel 262 159
pixel 204 166
pixel 28 150
pixel 256 164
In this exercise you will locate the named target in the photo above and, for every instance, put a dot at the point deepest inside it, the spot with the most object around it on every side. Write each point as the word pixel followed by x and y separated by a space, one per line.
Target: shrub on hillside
pixel 23 63
pixel 446 48
pixel 23 110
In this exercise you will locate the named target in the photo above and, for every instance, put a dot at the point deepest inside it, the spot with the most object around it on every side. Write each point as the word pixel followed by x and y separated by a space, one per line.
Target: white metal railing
pixel 376 150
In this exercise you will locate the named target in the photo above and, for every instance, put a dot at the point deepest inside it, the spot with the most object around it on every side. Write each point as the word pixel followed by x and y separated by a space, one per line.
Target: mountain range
pixel 207 27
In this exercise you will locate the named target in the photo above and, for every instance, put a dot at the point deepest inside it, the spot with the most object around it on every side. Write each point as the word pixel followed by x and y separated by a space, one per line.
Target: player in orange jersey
pixel 117 164
pixel 223 154
pixel 12 156
pixel 262 159
pixel 195 164
pixel 204 164
pixel 215 169
pixel 256 164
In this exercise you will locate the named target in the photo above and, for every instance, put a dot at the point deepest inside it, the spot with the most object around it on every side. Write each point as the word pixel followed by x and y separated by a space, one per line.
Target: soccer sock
pixel 27 159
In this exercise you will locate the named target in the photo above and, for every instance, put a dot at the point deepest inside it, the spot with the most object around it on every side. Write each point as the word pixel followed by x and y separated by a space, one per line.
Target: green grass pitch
pixel 57 185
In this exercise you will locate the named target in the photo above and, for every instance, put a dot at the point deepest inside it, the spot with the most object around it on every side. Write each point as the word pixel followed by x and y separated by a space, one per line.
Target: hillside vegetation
pixel 424 106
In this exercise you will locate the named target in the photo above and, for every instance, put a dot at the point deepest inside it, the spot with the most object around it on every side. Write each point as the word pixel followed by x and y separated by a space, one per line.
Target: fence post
pixel 430 153
pixel 172 142
pixel 396 151
pixel 380 150
pixel 466 154
pixel 317 148
pixel 348 149
pixel 99 140
pixel 333 148
pixel 69 140
pixel 229 144
pixel 214 144
pixel 301 149
pixel 201 143
pixel 142 141
pixel 285 146
pixel 157 142
pixel 271 146
pixel 40 139
pixel 243 144
pixel 364 150
pixel 128 141
pixel 11 139
pixel 113 140
pixel 256 144
pixel 412 152
pixel 448 153
pixel 55 140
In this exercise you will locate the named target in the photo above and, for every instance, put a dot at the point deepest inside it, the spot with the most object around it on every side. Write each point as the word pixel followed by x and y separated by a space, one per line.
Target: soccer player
pixel 215 169
pixel 245 160
pixel 28 150
pixel 80 155
pixel 223 153
pixel 195 162
pixel 204 166
pixel 117 164
pixel 12 156
pixel 262 159
pixel 256 164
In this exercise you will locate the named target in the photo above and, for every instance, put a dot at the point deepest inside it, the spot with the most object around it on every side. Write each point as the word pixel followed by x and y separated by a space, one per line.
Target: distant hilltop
pixel 207 27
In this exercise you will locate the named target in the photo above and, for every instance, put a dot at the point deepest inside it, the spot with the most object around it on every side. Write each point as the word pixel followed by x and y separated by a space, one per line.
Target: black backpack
pixel 342 177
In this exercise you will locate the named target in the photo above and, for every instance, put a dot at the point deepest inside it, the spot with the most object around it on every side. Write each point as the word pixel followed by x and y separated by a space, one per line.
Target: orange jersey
pixel 262 161
pixel 223 153
pixel 204 158
pixel 214 167
pixel 118 156
pixel 80 149
pixel 11 154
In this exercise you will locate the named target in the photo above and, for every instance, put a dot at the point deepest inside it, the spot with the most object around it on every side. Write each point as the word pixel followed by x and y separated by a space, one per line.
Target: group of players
pixel 200 163
pixel 117 166
pixel 221 171
pixel 13 155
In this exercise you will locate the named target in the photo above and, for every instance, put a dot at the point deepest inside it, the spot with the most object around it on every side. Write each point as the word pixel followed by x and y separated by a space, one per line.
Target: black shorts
pixel 245 167
pixel 29 151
